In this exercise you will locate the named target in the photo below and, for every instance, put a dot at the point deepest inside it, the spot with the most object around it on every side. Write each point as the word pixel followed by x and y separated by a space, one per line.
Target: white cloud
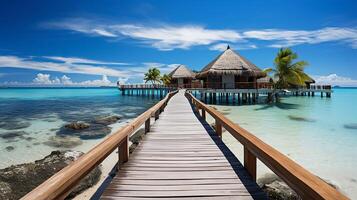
pixel 73 60
pixel 223 46
pixel 283 38
pixel 163 37
pixel 169 37
pixel 172 37
pixel 65 80
pixel 67 67
pixel 45 80
pixel 334 79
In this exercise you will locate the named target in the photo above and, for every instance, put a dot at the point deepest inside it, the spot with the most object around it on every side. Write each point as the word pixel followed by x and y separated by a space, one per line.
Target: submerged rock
pixel 94 131
pixel 18 180
pixel 14 124
pixel 300 119
pixel 13 135
pixel 276 189
pixel 350 126
pixel 10 148
pixel 79 125
pixel 106 120
pixel 63 141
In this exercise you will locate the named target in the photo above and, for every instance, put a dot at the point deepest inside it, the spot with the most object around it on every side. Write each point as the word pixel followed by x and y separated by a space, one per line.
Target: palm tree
pixel 153 75
pixel 166 79
pixel 287 72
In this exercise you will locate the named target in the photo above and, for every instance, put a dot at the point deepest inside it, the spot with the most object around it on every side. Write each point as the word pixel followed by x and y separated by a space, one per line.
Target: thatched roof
pixel 230 62
pixel 182 72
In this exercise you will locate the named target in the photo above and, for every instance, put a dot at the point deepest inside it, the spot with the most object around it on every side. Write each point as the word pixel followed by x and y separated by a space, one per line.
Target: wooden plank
pixel 179 159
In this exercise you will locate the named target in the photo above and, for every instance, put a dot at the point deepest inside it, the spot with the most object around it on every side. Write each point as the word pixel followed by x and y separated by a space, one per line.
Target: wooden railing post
pixel 123 151
pixel 250 163
pixel 203 114
pixel 157 113
pixel 147 125
pixel 219 128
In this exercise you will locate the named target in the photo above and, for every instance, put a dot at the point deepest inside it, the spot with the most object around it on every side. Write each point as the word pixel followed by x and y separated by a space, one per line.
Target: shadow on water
pixel 280 105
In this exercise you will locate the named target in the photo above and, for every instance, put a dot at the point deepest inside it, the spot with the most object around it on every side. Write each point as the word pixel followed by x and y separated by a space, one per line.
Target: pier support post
pixel 147 125
pixel 123 151
pixel 250 163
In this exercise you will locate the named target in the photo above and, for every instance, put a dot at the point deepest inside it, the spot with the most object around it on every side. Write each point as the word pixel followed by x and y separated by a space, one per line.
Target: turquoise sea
pixel 318 133
pixel 31 119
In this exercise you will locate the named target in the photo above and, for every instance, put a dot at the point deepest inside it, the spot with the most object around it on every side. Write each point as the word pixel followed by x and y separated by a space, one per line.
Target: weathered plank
pixel 179 158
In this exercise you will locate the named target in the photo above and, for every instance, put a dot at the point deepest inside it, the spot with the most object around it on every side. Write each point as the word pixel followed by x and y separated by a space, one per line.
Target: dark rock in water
pixel 300 119
pixel 13 125
pixel 13 135
pixel 29 138
pixel 94 131
pixel 279 190
pixel 276 189
pixel 79 125
pixel 107 119
pixel 18 180
pixel 10 148
pixel 350 126
pixel 225 113
pixel 63 141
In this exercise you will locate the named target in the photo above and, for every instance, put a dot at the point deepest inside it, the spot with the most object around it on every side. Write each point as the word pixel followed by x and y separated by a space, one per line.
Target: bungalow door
pixel 228 81
pixel 180 83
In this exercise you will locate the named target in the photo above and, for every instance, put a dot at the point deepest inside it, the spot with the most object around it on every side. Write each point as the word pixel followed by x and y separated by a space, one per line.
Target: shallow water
pixel 318 133
pixel 36 114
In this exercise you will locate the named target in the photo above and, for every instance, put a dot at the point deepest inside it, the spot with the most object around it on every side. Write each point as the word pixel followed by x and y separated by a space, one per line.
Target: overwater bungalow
pixel 182 77
pixel 230 70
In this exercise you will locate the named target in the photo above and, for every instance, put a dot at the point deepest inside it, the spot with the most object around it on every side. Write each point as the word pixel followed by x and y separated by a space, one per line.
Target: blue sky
pixel 77 42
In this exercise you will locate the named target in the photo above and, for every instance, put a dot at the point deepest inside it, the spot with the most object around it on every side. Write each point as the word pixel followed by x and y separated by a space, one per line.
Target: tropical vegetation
pixel 153 76
pixel 288 73
pixel 166 79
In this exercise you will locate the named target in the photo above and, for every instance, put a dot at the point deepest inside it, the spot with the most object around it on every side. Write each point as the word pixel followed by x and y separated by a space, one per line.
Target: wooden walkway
pixel 182 157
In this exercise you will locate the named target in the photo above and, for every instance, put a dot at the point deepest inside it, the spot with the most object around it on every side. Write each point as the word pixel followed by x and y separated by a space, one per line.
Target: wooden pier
pixel 145 90
pixel 182 157
pixel 227 96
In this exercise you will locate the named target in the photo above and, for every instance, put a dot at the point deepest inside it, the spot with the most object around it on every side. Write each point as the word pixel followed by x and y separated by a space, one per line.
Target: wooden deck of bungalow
pixel 182 157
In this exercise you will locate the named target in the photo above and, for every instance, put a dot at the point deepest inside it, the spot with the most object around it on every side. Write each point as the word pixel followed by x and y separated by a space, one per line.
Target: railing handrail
pixel 143 85
pixel 60 184
pixel 303 182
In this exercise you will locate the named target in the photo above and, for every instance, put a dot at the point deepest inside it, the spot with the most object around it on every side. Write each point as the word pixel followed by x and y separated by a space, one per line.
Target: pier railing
pixel 304 183
pixel 144 86
pixel 61 184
